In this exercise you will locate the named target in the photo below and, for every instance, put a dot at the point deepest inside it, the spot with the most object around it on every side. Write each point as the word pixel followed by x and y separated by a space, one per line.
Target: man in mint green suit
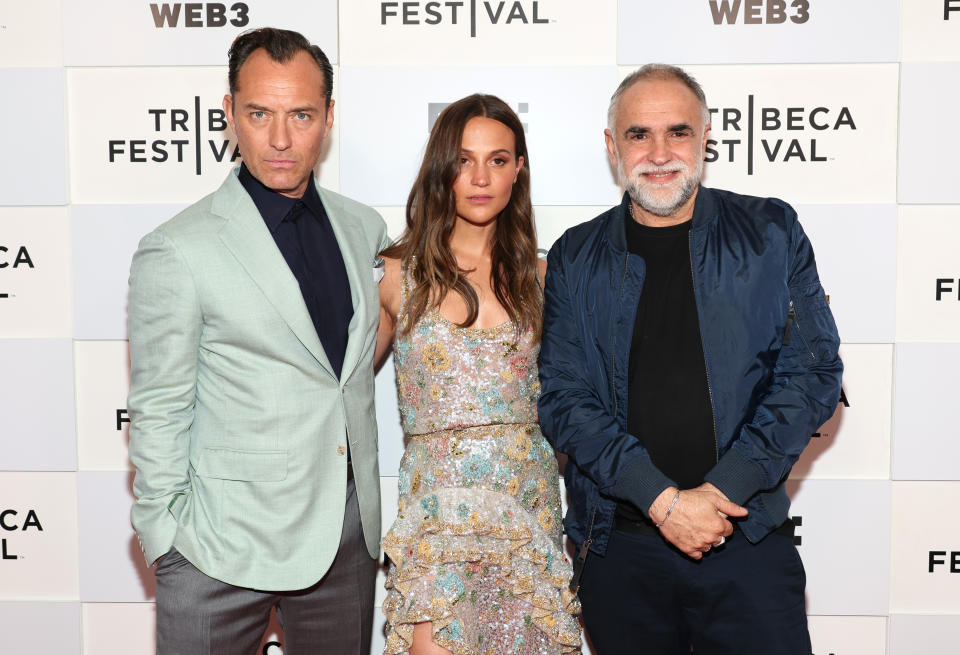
pixel 253 317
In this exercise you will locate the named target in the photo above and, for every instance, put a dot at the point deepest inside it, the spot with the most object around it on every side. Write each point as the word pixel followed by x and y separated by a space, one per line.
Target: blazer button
pixel 341 450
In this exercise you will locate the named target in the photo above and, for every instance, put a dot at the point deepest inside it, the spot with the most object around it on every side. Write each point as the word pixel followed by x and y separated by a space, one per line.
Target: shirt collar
pixel 273 206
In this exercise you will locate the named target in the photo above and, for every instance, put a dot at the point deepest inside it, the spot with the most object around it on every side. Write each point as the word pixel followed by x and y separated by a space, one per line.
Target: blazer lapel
pixel 246 235
pixel 352 248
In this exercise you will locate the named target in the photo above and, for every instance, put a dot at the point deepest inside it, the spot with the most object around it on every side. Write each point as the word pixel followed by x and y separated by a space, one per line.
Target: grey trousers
pixel 197 615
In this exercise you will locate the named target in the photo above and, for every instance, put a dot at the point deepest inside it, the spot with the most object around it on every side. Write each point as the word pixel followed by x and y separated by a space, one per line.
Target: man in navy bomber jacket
pixel 688 355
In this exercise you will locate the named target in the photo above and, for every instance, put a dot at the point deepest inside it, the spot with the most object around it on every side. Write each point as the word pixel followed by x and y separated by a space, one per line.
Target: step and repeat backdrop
pixel 111 123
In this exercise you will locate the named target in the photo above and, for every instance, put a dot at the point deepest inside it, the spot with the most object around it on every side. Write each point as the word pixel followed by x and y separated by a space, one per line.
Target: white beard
pixel 660 199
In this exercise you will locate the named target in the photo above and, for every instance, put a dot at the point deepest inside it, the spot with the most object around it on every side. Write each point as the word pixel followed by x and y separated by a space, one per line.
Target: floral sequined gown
pixel 476 547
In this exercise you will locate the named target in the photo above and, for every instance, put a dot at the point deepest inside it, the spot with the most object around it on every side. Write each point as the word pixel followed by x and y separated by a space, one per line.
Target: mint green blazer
pixel 239 428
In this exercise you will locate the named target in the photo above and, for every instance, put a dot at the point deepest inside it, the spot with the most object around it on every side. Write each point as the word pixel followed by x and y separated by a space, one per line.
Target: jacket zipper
pixel 706 369
pixel 613 345
pixel 585 547
pixel 791 320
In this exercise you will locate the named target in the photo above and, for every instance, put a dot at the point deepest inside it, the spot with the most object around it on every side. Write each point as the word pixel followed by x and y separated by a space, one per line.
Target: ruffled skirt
pixel 476 547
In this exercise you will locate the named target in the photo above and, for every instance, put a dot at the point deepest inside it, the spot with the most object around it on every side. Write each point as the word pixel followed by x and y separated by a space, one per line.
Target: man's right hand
pixel 698 520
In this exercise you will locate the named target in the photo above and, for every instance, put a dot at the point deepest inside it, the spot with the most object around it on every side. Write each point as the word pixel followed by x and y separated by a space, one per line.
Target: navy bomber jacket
pixel 770 347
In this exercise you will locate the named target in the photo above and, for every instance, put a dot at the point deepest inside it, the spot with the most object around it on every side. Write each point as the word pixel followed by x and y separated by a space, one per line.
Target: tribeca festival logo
pixel 947 287
pixel 12 520
pixel 14 257
pixel 938 560
pixel 949 7
pixel 797 522
pixel 759 12
pixel 199 14
pixel 774 135
pixel 178 138
pixel 462 12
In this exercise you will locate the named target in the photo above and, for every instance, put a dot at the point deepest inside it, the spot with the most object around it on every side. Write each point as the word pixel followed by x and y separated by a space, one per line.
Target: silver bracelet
pixel 669 509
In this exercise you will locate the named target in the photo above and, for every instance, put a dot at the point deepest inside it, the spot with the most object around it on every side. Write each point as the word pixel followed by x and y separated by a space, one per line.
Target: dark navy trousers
pixel 646 597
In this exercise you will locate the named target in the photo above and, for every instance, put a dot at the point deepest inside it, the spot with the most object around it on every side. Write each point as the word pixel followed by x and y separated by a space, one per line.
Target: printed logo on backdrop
pixel 942 561
pixel 951 7
pixel 178 136
pixel 754 134
pixel 759 12
pixel 474 15
pixel 199 14
pixel 122 418
pixel 12 522
pixel 948 287
pixel 434 109
pixel 797 522
pixel 272 648
pixel 14 257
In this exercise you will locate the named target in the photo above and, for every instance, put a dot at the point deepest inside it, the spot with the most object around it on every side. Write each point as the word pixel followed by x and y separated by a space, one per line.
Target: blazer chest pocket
pixel 243 465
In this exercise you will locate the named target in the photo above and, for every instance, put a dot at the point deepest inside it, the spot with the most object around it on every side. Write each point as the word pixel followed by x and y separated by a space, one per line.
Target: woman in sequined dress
pixel 477 564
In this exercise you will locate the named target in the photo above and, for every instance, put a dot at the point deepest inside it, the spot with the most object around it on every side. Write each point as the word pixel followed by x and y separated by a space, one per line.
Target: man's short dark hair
pixel 281 46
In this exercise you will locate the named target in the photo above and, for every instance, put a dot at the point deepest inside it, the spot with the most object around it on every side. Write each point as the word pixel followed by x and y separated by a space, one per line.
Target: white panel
pixel 856 249
pixel 928 169
pixel 104 240
pixel 844 536
pixel 805 133
pixel 553 221
pixel 758 31
pixel 389 433
pixel 378 643
pixel 33 136
pixel 38 536
pixel 547 32
pixel 28 628
pixel 925 554
pixel 848 635
pixel 389 507
pixel 930 30
pixel 396 220
pixel 928 274
pixel 36 402
pixel 119 628
pixel 911 634
pixel 926 434
pixel 564 129
pixel 31 33
pixel 165 134
pixel 124 33
pixel 103 426
pixel 855 442
pixel 112 567
pixel 34 272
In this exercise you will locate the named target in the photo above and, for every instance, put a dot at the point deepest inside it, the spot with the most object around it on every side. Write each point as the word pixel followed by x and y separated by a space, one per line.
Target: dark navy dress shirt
pixel 302 232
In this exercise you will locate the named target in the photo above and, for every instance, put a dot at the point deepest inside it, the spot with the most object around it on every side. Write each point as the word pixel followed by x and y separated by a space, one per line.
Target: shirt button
pixel 341 450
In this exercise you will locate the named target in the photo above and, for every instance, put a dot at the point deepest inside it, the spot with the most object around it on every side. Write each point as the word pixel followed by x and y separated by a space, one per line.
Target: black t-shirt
pixel 669 408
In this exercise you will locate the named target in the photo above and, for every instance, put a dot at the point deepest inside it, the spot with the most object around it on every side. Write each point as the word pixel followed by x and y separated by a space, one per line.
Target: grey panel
pixel 104 240
pixel 112 568
pixel 33 137
pixel 37 422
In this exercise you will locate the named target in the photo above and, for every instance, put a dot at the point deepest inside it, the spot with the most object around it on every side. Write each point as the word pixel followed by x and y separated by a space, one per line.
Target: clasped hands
pixel 698 520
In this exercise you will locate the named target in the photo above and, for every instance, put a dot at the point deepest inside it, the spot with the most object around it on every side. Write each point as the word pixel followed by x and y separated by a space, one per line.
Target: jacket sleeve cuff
pixel 156 538
pixel 736 476
pixel 640 483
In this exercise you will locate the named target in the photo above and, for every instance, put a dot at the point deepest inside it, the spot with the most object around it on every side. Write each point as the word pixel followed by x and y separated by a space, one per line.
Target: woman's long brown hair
pixel 424 248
